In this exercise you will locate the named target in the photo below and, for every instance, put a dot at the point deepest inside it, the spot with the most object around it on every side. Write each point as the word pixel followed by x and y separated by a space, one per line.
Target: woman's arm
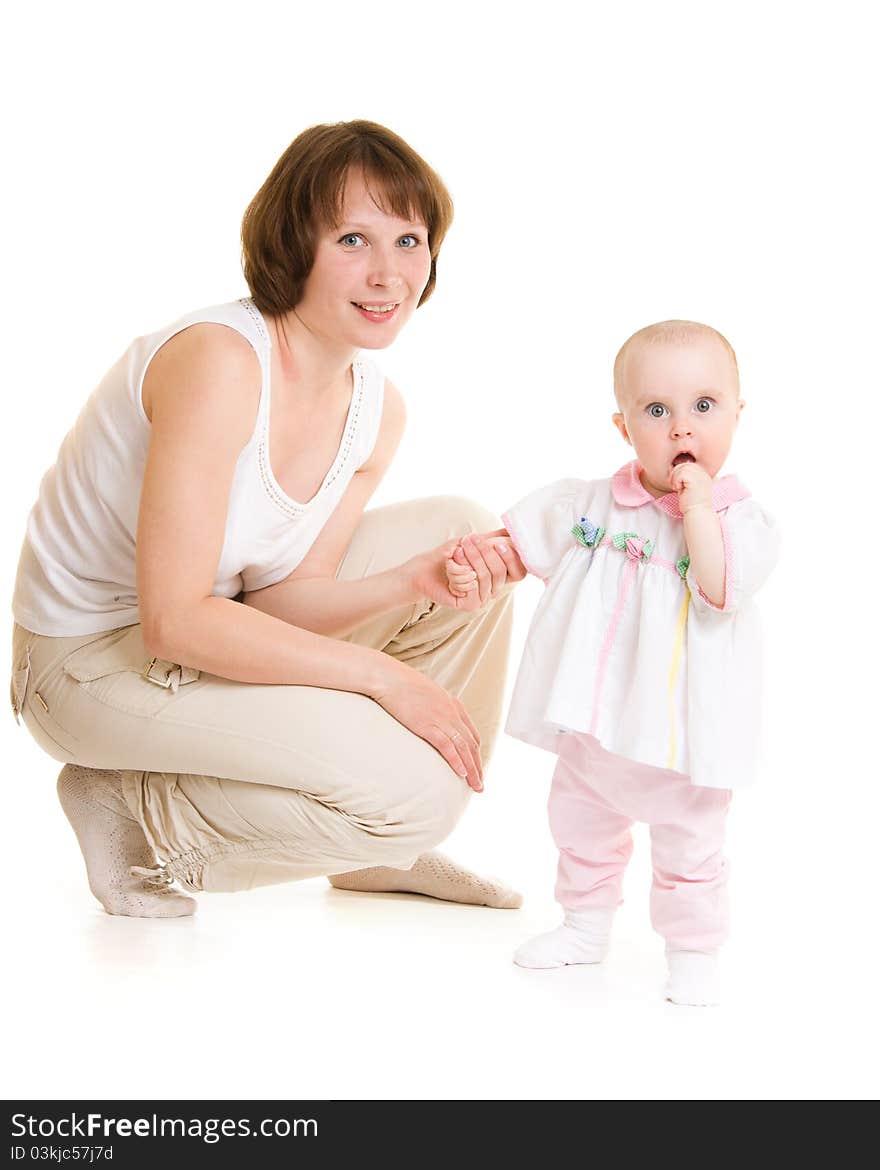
pixel 203 388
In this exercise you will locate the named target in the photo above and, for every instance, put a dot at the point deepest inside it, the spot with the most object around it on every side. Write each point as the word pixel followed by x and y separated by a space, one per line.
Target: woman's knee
pixel 435 518
pixel 462 515
pixel 432 812
pixel 389 535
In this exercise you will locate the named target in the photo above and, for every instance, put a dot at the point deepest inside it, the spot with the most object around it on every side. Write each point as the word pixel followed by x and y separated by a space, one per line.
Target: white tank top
pixel 76 574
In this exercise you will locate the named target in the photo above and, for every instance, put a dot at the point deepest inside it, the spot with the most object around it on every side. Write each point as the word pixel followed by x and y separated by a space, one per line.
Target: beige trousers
pixel 239 785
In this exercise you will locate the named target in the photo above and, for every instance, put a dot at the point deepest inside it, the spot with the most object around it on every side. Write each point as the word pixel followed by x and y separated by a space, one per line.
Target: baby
pixel 642 666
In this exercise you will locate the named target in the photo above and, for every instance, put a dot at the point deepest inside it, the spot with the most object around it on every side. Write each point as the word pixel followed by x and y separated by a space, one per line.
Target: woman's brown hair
pixel 304 193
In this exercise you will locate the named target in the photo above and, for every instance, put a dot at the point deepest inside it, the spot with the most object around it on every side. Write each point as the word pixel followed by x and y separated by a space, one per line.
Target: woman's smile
pixel 377 312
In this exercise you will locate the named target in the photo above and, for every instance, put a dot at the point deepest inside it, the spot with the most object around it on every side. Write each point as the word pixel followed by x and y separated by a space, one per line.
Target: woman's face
pixel 368 274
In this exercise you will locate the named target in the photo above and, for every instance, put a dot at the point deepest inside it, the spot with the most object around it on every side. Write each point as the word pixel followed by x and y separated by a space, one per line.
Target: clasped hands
pixel 468 572
pixel 478 566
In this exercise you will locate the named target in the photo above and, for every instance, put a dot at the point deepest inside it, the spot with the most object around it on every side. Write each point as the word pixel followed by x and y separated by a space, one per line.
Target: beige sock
pixel 434 875
pixel 112 844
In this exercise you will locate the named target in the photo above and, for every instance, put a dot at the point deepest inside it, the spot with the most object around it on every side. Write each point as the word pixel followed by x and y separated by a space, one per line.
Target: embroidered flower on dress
pixel 587 533
pixel 683 564
pixel 633 545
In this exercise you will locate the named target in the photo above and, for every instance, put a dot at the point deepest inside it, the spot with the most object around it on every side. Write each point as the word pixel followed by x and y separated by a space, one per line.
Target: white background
pixel 611 166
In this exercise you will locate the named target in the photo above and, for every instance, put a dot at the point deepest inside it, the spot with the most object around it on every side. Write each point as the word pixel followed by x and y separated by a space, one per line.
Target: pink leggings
pixel 594 800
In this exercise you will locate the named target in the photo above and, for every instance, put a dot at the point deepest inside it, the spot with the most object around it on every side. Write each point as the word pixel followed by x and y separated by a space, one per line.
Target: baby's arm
pixel 702 530
pixel 461 576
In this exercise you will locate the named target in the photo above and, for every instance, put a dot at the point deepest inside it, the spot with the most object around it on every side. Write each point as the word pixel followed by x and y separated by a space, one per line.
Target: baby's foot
pixel 582 938
pixel 694 978
pixel 122 870
pixel 434 875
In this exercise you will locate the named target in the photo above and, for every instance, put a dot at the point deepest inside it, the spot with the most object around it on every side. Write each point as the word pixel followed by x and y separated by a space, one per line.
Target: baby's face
pixel 679 403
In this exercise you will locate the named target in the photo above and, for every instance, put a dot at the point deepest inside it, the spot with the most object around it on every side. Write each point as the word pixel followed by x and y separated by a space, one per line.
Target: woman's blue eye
pixel 657 410
pixel 703 405
pixel 414 241
pixel 351 239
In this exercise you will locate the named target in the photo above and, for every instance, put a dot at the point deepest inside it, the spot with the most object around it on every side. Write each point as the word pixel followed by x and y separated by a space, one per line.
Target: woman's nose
pixel 385 279
pixel 384 272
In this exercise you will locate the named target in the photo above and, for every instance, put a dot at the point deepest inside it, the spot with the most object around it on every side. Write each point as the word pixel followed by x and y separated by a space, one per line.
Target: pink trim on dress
pixel 519 545
pixel 727 604
pixel 665 564
pixel 627 489
pixel 631 569
pixel 661 562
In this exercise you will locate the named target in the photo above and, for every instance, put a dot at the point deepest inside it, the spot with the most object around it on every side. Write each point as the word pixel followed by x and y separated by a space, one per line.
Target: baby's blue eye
pixel 657 410
pixel 703 405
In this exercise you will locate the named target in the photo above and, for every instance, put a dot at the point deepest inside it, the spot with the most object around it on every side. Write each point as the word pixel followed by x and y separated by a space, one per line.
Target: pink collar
pixel 627 489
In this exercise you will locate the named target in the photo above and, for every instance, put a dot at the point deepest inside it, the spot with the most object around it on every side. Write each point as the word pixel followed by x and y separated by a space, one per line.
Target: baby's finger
pixel 465 572
pixel 462 578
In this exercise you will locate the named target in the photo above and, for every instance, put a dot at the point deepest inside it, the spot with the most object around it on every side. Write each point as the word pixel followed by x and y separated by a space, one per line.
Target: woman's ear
pixel 620 422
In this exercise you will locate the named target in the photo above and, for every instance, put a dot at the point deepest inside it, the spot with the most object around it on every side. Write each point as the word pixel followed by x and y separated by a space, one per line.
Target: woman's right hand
pixel 431 713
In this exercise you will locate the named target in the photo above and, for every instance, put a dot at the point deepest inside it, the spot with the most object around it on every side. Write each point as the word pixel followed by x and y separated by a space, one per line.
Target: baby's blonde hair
pixel 665 332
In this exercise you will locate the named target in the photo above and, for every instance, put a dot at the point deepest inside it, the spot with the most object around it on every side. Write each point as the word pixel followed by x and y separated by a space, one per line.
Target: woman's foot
pixel 694 978
pixel 112 844
pixel 434 875
pixel 582 938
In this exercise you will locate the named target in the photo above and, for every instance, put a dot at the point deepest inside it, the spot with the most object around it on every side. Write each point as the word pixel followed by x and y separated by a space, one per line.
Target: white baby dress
pixel 624 646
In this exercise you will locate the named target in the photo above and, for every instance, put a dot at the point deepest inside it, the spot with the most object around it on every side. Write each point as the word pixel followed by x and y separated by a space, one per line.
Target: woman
pixel 245 675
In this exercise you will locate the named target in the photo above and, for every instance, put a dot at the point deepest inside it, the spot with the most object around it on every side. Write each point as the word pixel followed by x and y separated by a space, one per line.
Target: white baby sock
pixel 435 875
pixel 582 938
pixel 694 978
pixel 115 849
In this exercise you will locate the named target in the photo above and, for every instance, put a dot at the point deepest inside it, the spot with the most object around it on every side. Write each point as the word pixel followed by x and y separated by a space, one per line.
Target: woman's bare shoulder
pixel 206 362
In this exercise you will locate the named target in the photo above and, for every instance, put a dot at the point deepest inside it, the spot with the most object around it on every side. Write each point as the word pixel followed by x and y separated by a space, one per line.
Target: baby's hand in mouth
pixel 692 482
